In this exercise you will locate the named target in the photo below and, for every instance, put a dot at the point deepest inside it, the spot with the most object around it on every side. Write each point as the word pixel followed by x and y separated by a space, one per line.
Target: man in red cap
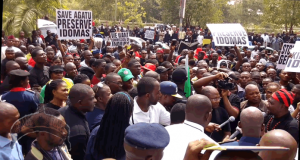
pixel 160 55
pixel 148 67
pixel 278 106
pixel 9 43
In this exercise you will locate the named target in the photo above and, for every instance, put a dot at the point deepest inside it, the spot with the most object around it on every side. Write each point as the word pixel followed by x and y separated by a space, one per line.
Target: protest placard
pixel 149 34
pixel 119 38
pixel 74 24
pixel 206 41
pixel 284 55
pixel 228 34
pixel 293 64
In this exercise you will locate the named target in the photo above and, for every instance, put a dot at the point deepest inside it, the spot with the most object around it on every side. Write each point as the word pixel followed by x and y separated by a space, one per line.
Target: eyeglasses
pixel 76 59
pixel 216 99
pixel 118 83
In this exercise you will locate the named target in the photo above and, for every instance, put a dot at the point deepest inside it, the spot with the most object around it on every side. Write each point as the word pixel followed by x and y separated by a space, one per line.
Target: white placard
pixel 119 38
pixel 149 34
pixel 284 55
pixel 229 34
pixel 74 24
pixel 293 64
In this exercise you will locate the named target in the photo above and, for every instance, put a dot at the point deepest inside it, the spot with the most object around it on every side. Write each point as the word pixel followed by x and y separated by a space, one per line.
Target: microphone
pixel 231 119
pixel 237 132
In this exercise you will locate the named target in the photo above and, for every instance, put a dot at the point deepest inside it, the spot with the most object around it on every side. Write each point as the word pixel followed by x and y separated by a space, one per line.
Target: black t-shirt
pixel 288 87
pixel 235 101
pixel 50 105
pixel 143 61
pixel 287 123
pixel 3 67
pixel 219 115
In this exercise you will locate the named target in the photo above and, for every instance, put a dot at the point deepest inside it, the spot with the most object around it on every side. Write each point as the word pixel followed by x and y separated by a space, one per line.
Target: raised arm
pixel 240 59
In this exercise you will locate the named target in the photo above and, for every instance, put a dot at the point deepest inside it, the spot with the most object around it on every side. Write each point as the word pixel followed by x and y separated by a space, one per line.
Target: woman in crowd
pixel 56 61
pixel 106 140
pixel 56 94
pixel 56 72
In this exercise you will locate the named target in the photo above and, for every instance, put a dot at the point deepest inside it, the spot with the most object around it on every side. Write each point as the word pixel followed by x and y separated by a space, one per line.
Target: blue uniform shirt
pixel 244 141
pixel 25 101
pixel 94 118
pixel 8 153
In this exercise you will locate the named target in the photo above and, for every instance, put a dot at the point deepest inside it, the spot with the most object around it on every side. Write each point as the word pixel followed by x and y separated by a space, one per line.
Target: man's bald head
pixel 251 122
pixel 69 65
pixel 198 109
pixel 12 65
pixel 153 74
pixel 23 62
pixel 250 87
pixel 209 90
pixel 8 115
pixel 281 138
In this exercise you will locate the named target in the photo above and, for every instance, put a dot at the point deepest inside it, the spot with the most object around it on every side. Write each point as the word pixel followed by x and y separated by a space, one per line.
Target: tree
pixel 22 15
pixel 131 11
pixel 282 13
pixel 197 12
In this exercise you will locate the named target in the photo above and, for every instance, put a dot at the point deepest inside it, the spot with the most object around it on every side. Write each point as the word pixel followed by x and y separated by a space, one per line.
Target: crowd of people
pixel 76 99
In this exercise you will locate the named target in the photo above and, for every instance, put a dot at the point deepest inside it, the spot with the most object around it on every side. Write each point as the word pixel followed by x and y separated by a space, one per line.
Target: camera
pixel 225 84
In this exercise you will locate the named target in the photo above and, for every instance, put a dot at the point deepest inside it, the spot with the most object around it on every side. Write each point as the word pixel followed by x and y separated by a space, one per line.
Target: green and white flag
pixel 187 85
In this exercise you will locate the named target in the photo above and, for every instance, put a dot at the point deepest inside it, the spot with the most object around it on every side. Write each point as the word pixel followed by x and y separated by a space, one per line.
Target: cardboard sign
pixel 149 34
pixel 284 55
pixel 206 41
pixel 119 38
pixel 293 64
pixel 228 34
pixel 74 24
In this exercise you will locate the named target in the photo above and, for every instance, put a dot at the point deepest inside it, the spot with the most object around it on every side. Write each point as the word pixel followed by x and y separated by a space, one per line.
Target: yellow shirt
pixel 28 56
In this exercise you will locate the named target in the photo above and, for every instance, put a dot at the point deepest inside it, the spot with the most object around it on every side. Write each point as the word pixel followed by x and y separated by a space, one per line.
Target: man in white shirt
pixel 9 43
pixel 198 115
pixel 146 109
pixel 266 38
pixel 200 38
pixel 87 56
pixel 254 52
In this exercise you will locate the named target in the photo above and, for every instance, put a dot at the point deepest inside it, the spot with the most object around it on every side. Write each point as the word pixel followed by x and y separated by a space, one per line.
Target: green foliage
pixel 131 11
pixel 282 13
pixel 22 15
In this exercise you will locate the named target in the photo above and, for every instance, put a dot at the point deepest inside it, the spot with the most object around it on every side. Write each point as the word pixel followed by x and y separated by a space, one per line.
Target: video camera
pixel 225 84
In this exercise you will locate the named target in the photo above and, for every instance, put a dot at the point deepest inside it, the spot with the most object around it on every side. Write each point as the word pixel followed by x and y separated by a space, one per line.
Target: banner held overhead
pixel 119 38
pixel 74 24
pixel 293 64
pixel 229 34
pixel 284 55
pixel 149 34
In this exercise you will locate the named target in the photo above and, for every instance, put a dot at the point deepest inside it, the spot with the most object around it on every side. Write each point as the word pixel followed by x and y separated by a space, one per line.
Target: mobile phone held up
pixel 174 41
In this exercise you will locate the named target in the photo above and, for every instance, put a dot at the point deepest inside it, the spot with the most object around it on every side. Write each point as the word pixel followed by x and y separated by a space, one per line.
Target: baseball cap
pixel 56 68
pixel 159 50
pixel 219 51
pixel 149 66
pixel 125 74
pixel 11 37
pixel 179 75
pixel 169 88
pixel 161 69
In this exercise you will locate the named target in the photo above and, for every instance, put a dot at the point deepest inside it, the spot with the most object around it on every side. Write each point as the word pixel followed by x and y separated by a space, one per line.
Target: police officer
pixel 24 100
pixel 251 124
